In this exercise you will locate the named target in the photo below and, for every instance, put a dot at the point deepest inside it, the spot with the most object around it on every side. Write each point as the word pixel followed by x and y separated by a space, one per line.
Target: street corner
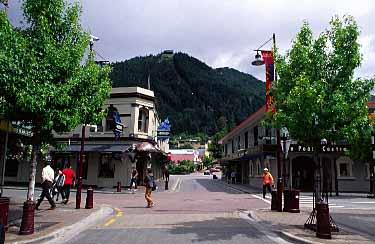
pixel 58 225
pixel 290 227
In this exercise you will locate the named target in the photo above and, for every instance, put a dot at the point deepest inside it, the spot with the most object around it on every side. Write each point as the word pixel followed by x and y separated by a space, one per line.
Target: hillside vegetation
pixel 195 97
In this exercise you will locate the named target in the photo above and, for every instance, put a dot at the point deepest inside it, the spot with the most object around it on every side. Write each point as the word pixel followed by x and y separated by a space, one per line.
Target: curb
pixel 295 239
pixel 68 232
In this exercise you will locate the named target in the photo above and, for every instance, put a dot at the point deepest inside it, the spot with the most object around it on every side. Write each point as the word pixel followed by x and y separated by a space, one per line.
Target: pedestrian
pixel 133 180
pixel 166 174
pixel 47 180
pixel 267 182
pixel 233 176
pixel 58 185
pixel 69 181
pixel 150 186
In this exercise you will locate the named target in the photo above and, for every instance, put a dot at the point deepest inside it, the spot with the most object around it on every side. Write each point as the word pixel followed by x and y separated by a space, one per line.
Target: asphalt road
pixel 196 209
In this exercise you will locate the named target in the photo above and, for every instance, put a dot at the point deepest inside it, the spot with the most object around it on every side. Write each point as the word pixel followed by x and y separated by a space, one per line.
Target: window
pixel 61 161
pixel 246 140
pixel 11 167
pixel 143 120
pixel 226 149
pixel 268 135
pixel 255 136
pixel 344 167
pixel 232 146
pixel 109 123
pixel 367 171
pixel 106 166
pixel 238 142
pixel 258 168
pixel 251 168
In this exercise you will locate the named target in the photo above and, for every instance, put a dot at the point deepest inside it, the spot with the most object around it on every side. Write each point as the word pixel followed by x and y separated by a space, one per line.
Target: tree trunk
pixel 33 164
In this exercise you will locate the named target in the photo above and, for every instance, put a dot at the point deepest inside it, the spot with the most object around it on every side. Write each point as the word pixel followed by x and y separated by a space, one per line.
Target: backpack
pixel 151 183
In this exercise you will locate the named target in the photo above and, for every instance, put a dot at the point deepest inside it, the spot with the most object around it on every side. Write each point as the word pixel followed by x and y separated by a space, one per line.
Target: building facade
pixel 109 160
pixel 250 147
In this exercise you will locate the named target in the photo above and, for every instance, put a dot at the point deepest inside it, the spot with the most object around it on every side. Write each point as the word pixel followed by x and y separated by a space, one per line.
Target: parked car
pixel 214 170
pixel 207 172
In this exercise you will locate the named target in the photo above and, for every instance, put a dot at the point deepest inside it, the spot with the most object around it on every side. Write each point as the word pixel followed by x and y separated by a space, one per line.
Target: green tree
pixel 214 147
pixel 316 94
pixel 207 162
pixel 45 81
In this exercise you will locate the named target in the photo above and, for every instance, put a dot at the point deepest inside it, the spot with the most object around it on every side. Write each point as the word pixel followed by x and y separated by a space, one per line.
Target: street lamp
pixel 372 166
pixel 271 76
pixel 82 151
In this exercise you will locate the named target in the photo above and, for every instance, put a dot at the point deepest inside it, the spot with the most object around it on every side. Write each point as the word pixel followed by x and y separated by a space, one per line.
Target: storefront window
pixel 11 168
pixel 106 166
pixel 344 167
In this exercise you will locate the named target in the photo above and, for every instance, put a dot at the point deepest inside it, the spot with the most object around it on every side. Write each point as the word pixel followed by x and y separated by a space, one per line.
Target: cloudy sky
pixel 218 32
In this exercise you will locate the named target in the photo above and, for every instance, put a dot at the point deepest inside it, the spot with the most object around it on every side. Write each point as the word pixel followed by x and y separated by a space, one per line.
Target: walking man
pixel 267 182
pixel 233 176
pixel 133 180
pixel 69 180
pixel 48 176
pixel 149 183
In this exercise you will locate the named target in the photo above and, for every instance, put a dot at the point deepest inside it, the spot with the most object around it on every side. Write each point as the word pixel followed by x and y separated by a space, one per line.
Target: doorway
pixel 303 169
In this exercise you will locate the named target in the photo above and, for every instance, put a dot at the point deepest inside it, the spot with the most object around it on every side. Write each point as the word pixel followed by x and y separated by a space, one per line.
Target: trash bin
pixel 291 201
pixel 323 226
pixel 4 210
pixel 274 199
pixel 89 198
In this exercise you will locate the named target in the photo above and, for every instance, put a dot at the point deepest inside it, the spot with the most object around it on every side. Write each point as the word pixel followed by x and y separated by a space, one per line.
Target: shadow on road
pixel 220 229
pixel 215 186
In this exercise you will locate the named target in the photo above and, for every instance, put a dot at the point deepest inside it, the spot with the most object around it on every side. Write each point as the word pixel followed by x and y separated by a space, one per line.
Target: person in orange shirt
pixel 267 182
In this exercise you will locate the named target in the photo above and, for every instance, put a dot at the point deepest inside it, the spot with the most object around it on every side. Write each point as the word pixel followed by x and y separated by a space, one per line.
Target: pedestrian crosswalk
pixel 306 202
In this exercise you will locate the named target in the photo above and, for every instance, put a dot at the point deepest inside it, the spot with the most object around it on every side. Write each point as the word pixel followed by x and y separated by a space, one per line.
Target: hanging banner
pixel 270 75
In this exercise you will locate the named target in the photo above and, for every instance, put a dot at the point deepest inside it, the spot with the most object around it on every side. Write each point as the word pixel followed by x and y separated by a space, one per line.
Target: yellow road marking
pixel 119 214
pixel 109 222
pixel 118 210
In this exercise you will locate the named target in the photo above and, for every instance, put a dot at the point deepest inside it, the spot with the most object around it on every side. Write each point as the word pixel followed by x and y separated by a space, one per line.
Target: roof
pixel 244 123
pixel 94 148
pixel 182 151
pixel 255 115
pixel 177 157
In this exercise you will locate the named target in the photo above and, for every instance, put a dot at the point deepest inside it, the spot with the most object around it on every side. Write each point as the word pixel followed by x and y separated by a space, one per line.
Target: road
pixel 197 209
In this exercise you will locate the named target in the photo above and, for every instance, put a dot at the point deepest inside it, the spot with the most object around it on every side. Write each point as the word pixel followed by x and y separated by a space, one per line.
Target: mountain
pixel 195 97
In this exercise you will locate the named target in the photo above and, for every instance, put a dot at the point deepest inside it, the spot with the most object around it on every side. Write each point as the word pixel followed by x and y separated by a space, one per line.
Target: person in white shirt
pixel 48 176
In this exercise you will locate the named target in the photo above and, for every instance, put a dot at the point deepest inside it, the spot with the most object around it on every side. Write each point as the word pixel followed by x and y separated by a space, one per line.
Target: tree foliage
pixel 191 94
pixel 45 79
pixel 316 94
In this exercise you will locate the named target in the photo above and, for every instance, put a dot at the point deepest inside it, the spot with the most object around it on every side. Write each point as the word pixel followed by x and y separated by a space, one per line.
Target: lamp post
pixel 271 76
pixel 372 167
pixel 82 151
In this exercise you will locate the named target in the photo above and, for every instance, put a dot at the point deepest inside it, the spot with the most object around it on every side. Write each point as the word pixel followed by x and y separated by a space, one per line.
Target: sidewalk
pixel 290 226
pixel 51 224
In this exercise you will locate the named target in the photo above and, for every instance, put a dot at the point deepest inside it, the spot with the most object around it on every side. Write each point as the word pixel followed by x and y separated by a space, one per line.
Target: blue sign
pixel 118 127
pixel 164 130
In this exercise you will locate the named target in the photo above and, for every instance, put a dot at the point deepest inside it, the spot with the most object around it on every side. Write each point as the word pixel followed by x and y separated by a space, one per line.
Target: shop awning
pixel 94 148
pixel 147 147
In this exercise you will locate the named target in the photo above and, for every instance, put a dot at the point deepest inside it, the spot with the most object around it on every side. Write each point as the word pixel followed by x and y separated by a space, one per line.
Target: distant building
pixel 108 160
pixel 250 147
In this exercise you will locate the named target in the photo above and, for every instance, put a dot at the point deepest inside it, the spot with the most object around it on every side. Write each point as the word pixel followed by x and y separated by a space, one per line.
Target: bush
pixel 185 167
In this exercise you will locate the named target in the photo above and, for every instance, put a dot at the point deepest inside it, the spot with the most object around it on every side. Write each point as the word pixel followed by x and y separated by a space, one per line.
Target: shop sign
pixel 323 148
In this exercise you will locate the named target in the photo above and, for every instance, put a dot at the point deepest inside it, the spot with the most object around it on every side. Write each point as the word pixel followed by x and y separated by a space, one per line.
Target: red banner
pixel 270 74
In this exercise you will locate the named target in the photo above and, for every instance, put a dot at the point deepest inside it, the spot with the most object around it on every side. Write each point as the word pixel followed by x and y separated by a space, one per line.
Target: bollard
pixel 2 234
pixel 274 199
pixel 89 198
pixel 323 227
pixel 27 224
pixel 291 201
pixel 118 186
pixel 166 185
pixel 4 210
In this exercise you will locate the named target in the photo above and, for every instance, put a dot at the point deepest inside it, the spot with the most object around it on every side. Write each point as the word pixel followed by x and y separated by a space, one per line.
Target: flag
pixel 270 76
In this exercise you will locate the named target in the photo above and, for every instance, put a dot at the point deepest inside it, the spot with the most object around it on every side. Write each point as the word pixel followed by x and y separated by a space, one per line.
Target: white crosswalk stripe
pixel 307 202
